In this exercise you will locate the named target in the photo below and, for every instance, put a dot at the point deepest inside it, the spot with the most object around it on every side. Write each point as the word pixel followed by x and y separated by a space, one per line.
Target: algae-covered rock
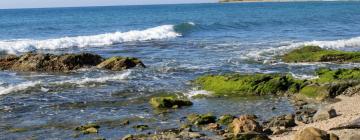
pixel 120 63
pixel 88 128
pixel 141 127
pixel 314 92
pixel 248 85
pixel 317 54
pixel 226 119
pixel 168 102
pixel 327 75
pixel 282 121
pixel 201 119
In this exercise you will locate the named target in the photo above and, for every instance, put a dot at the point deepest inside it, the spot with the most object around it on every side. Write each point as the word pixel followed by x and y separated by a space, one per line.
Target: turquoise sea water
pixel 176 42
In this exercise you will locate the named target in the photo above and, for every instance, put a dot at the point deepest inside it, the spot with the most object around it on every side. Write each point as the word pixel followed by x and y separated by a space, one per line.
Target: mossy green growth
pixel 327 75
pixel 201 119
pixel 317 54
pixel 247 85
pixel 168 102
pixel 88 128
pixel 315 92
pixel 226 119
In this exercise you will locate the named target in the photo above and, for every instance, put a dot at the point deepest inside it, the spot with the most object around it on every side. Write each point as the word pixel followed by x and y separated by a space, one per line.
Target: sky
pixel 10 4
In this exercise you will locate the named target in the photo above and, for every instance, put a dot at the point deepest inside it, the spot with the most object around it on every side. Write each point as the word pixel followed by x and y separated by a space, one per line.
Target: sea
pixel 177 43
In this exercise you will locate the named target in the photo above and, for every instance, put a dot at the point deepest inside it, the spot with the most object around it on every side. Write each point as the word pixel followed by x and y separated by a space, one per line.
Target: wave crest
pixel 26 45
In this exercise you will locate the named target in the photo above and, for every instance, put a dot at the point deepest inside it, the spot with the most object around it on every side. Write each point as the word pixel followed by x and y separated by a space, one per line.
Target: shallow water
pixel 176 42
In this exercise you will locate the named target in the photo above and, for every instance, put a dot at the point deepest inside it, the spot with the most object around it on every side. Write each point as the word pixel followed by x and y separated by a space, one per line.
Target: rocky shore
pixel 326 108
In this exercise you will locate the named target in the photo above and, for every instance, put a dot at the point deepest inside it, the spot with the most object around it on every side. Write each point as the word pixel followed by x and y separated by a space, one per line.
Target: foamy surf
pixel 26 85
pixel 269 53
pixel 18 87
pixel 194 93
pixel 26 45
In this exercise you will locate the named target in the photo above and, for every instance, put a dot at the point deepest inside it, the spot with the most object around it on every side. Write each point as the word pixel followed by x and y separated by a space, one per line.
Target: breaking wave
pixel 26 85
pixel 155 33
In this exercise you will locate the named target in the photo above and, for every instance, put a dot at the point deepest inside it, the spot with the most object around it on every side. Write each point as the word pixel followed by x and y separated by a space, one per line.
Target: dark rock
pixel 55 63
pixel 141 127
pixel 312 133
pixel 244 124
pixel 305 115
pixel 250 136
pixel 120 63
pixel 6 62
pixel 352 91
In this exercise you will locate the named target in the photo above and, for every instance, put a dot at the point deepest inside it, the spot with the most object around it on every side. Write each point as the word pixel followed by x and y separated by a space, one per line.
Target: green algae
pixel 226 119
pixel 316 92
pixel 201 119
pixel 317 54
pixel 168 102
pixel 248 85
pixel 327 75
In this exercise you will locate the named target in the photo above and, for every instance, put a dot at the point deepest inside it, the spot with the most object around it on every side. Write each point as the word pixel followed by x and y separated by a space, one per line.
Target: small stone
pixel 90 130
pixel 141 127
pixel 201 119
pixel 213 126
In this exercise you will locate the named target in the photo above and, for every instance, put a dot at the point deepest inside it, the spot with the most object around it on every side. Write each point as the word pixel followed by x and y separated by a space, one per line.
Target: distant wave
pixel 156 33
pixel 331 44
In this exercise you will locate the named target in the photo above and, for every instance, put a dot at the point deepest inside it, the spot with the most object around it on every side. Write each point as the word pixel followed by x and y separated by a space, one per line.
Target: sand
pixel 348 109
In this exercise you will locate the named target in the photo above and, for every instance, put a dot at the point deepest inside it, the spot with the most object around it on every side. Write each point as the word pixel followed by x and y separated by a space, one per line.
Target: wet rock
pixel 141 127
pixel 244 124
pixel 201 119
pixel 314 92
pixel 168 102
pixel 285 121
pixel 6 62
pixel 226 119
pixel 120 63
pixel 305 115
pixel 87 129
pixel 324 114
pixel 312 133
pixel 170 134
pixel 55 63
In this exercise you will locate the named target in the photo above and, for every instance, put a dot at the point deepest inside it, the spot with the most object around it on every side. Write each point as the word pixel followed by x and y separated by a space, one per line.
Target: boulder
pixel 168 102
pixel 282 121
pixel 312 133
pixel 201 119
pixel 120 63
pixel 245 124
pixel 55 63
pixel 6 62
pixel 324 114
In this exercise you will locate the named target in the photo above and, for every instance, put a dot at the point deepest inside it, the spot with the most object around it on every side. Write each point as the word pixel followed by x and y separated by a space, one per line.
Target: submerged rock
pixel 64 62
pixel 120 63
pixel 245 124
pixel 87 129
pixel 312 133
pixel 168 102
pixel 324 114
pixel 201 119
pixel 317 54
pixel 141 127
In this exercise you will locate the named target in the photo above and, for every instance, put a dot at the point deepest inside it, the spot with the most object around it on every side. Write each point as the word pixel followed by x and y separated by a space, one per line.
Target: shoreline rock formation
pixel 65 62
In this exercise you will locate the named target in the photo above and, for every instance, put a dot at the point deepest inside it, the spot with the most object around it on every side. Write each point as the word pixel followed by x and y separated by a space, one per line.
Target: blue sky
pixel 6 4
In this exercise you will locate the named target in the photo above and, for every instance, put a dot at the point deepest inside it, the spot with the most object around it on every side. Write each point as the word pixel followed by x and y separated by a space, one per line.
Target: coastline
pixel 348 109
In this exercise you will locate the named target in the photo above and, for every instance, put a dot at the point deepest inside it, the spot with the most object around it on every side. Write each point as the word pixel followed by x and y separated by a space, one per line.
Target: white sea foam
pixel 24 86
pixel 303 76
pixel 18 87
pixel 267 54
pixel 103 79
pixel 193 93
pixel 26 45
